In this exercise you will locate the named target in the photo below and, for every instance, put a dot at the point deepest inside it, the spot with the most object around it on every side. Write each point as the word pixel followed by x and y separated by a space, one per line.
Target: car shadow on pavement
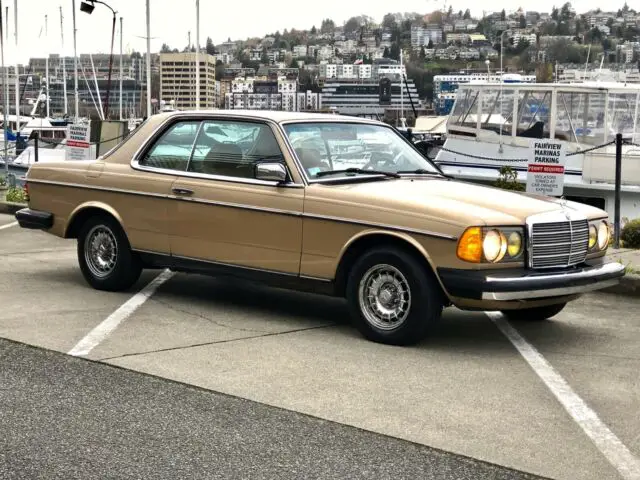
pixel 72 276
pixel 234 294
pixel 468 332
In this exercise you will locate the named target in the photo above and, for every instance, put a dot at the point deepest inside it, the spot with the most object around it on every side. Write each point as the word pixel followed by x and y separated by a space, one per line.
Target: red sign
pixel 543 168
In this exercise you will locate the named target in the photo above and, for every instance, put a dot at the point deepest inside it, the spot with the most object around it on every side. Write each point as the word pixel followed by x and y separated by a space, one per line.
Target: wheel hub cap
pixel 384 297
pixel 101 251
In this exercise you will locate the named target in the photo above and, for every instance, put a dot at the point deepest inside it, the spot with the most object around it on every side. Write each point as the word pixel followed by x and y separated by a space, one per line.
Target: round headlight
pixel 514 244
pixel 603 235
pixel 593 236
pixel 494 246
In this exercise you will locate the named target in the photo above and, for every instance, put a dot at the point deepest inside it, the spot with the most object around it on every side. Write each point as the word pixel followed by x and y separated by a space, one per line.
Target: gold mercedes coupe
pixel 323 203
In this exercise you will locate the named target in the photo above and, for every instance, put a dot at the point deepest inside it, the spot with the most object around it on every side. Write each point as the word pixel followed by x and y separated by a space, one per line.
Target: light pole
pixel 148 60
pixel 120 68
pixel 198 55
pixel 87 7
pixel 500 79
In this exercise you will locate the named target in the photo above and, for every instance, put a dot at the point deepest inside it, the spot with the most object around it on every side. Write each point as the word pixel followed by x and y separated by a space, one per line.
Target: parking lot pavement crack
pixel 591 355
pixel 204 317
pixel 215 342
pixel 29 252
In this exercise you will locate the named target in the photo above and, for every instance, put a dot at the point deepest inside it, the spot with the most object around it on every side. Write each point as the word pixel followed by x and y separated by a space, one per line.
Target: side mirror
pixel 271 172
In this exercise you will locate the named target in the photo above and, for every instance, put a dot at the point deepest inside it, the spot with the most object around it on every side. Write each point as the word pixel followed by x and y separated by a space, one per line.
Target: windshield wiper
pixel 358 170
pixel 422 171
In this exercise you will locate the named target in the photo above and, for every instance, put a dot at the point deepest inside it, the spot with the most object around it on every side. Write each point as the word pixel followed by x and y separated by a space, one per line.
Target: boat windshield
pixel 578 115
pixel 324 147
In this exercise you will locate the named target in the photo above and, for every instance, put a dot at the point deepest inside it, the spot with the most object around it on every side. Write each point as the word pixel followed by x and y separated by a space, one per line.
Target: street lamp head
pixel 87 7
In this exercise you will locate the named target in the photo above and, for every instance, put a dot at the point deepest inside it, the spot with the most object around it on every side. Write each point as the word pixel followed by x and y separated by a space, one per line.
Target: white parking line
pixel 13 224
pixel 109 324
pixel 605 440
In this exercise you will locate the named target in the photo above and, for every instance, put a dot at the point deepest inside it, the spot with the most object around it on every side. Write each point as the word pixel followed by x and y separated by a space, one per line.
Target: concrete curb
pixel 10 207
pixel 629 285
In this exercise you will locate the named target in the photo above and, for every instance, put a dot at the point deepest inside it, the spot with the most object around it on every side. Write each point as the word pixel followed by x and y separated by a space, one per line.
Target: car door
pixel 222 214
pixel 152 176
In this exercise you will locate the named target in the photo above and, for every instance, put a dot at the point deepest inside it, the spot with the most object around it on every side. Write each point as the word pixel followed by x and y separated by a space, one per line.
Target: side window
pixel 232 148
pixel 173 149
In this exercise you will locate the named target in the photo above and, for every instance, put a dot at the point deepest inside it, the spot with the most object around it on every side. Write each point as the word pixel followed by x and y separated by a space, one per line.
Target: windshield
pixel 337 146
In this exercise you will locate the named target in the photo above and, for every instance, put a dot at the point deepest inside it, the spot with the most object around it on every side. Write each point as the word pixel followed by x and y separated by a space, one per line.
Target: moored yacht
pixel 492 125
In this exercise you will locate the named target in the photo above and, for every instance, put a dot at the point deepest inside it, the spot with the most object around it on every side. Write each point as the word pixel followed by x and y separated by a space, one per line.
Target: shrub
pixel 16 195
pixel 508 180
pixel 630 234
pixel 3 181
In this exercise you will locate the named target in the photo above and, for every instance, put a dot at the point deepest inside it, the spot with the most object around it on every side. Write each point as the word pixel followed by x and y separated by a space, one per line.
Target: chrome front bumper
pixel 522 284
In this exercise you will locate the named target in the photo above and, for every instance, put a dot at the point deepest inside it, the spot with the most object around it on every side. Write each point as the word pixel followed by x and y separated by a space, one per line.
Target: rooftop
pixel 272 115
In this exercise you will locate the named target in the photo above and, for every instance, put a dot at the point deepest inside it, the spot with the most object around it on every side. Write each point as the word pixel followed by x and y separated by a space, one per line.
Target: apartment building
pixel 346 70
pixel 177 80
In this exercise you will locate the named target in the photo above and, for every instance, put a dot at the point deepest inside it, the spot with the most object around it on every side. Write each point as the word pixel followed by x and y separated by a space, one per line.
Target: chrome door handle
pixel 182 191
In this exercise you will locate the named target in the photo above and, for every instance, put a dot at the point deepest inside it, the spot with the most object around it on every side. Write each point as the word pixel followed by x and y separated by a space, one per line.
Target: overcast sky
pixel 172 19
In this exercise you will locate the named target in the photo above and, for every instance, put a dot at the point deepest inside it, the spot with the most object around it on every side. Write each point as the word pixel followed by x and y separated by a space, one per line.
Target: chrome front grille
pixel 559 244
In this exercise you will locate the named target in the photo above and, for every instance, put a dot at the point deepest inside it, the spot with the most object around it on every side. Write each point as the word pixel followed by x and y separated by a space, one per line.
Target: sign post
pixel 545 171
pixel 78 145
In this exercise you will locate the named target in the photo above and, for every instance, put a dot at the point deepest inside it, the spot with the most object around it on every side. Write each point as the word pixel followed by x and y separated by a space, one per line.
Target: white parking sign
pixel 545 172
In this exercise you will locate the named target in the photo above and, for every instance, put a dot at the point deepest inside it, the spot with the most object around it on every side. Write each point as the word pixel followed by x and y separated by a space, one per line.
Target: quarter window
pixel 173 150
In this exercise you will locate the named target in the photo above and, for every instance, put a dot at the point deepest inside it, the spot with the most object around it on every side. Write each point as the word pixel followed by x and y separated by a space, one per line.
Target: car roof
pixel 273 115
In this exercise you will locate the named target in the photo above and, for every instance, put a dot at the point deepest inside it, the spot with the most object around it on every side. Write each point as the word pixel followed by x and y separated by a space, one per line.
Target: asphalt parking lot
pixel 467 390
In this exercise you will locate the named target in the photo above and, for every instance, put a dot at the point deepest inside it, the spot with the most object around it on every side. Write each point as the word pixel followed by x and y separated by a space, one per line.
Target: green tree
pixel 352 25
pixel 394 53
pixel 328 26
pixel 423 54
pixel 503 15
pixel 211 50
pixel 430 44
pixel 389 21
pixel 314 30
pixel 544 73
pixel 523 21
pixel 386 52
pixel 467 14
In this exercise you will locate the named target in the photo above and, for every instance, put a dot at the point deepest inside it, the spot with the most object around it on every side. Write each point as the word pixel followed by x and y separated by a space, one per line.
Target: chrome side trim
pixel 551 292
pixel 231 265
pixel 236 205
pixel 99 188
pixel 380 225
pixel 316 279
pixel 221 178
pixel 236 266
pixel 254 208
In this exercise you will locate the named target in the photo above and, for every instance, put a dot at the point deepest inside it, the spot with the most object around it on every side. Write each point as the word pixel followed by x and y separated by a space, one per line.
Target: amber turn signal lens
pixel 470 245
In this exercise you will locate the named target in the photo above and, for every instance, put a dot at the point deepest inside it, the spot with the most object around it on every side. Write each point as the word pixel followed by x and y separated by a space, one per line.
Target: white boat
pixel 492 125
pixel 46 153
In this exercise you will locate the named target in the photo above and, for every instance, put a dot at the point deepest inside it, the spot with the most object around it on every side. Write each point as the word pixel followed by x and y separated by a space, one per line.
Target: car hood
pixel 455 202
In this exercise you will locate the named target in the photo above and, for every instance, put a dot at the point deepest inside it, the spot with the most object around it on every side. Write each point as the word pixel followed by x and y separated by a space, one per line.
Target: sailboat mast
pixel 64 66
pixel 15 16
pixel 46 74
pixel 6 101
pixel 75 62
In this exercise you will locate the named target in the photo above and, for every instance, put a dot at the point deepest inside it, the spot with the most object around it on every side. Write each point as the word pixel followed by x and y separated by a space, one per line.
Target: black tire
pixel 426 301
pixel 125 267
pixel 534 314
